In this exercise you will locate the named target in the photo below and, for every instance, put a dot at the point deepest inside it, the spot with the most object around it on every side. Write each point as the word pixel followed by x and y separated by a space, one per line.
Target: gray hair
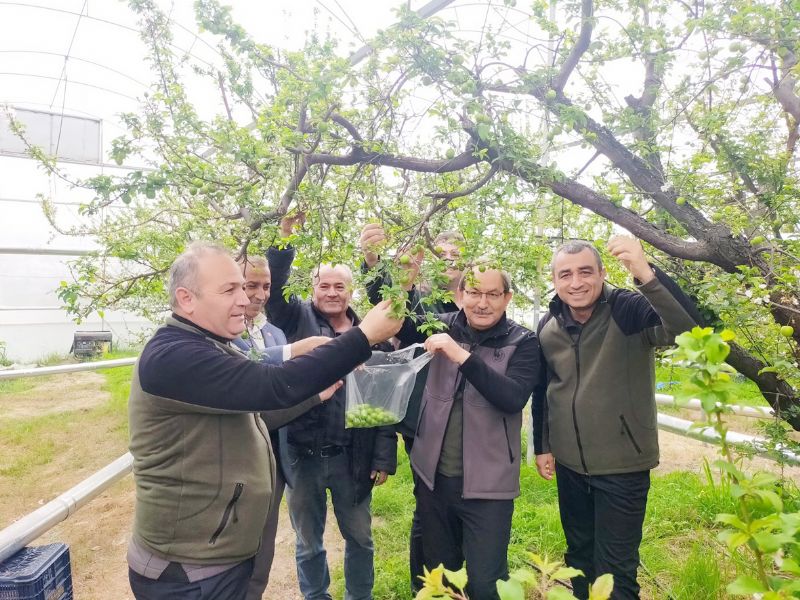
pixel 184 270
pixel 315 273
pixel 462 284
pixel 576 247
pixel 448 237
pixel 256 262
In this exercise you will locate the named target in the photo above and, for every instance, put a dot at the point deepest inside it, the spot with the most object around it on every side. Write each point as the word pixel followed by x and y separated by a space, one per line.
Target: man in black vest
pixel 320 453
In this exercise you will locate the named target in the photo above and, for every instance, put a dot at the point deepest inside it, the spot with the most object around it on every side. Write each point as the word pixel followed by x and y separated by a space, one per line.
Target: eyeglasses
pixel 490 296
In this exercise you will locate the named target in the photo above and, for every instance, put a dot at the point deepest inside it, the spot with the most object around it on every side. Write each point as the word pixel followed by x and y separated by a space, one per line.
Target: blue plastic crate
pixel 37 573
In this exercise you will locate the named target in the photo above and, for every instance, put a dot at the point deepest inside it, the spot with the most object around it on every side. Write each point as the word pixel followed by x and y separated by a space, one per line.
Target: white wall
pixel 32 322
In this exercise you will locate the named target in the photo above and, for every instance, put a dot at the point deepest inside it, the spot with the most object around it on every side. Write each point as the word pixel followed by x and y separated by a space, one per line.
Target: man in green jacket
pixel 595 416
pixel 202 462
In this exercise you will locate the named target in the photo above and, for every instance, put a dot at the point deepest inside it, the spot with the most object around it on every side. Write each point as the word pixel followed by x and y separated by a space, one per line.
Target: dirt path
pixel 98 534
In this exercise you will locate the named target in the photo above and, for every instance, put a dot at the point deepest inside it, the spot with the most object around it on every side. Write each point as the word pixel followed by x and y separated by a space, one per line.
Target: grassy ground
pixel 42 454
pixel 681 558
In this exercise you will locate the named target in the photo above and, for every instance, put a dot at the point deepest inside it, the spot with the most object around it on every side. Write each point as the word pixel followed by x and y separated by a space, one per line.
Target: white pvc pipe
pixel 87 366
pixel 757 412
pixel 18 535
pixel 707 434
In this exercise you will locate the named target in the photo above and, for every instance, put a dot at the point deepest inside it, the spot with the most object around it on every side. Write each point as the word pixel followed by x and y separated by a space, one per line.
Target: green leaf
pixel 732 520
pixel 744 585
pixel 559 593
pixel 524 576
pixel 566 573
pixel 602 587
pixel 733 539
pixel 457 578
pixel 510 590
pixel 789 565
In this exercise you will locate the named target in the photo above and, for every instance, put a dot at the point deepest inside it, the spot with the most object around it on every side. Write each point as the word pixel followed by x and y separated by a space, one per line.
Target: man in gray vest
pixel 466 451
pixel 594 419
pixel 203 465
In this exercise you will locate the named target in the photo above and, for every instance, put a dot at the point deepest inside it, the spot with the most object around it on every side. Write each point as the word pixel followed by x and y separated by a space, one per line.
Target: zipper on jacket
pixel 575 345
pixel 508 442
pixel 230 508
pixel 627 430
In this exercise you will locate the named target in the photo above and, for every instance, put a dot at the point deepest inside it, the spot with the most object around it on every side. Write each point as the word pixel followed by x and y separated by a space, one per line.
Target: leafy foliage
pixel 621 114
pixel 765 526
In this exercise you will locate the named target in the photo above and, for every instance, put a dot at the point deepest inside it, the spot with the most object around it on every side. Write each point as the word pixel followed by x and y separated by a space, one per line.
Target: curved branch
pixel 579 49
pixel 351 129
pixel 420 165
pixel 780 395
pixel 469 190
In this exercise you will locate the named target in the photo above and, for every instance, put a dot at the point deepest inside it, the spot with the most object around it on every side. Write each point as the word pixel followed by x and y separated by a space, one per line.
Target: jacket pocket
pixel 508 441
pixel 627 431
pixel 230 508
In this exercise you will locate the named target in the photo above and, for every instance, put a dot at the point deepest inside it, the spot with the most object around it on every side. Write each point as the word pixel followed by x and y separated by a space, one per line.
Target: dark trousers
pixel 174 585
pixel 455 530
pixel 262 562
pixel 602 517
pixel 415 556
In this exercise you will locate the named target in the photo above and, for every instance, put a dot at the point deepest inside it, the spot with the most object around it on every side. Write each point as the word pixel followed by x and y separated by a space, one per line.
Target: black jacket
pixel 372 449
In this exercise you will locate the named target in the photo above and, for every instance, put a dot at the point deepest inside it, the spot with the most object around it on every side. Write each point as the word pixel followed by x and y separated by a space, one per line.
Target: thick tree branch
pixel 730 251
pixel 777 392
pixel 579 49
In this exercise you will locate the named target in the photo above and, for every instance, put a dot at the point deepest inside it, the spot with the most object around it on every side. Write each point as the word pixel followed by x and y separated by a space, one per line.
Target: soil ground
pixel 98 534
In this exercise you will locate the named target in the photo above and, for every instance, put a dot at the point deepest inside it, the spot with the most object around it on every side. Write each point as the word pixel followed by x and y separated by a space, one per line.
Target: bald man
pixel 321 454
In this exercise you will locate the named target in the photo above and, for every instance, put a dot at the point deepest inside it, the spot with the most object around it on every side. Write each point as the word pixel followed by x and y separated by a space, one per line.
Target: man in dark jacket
pixel 202 463
pixel 320 453
pixel 447 246
pixel 595 417
pixel 467 447
pixel 264 342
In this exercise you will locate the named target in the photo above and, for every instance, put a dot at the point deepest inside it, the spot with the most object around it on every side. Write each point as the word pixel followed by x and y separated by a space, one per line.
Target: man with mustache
pixel 467 447
pixel 265 342
pixel 594 418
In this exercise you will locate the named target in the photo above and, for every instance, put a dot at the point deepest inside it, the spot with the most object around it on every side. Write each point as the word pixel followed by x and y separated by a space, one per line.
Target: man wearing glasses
pixel 466 451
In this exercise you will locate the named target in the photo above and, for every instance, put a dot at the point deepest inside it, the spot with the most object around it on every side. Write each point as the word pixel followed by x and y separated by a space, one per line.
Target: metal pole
pixel 707 434
pixel 88 366
pixel 757 412
pixel 28 528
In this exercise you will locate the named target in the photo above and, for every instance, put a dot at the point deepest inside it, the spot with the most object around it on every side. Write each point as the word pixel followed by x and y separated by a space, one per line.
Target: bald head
pixel 332 289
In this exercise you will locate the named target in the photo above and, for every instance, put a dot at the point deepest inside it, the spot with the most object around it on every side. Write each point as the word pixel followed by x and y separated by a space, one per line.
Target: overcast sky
pixel 105 71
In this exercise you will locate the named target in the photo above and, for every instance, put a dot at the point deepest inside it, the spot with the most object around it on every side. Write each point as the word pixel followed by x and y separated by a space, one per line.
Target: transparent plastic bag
pixel 377 392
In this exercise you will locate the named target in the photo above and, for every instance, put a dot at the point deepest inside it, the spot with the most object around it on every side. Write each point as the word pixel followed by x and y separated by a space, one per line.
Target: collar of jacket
pixel 557 305
pixel 349 312
pixel 184 323
pixel 497 330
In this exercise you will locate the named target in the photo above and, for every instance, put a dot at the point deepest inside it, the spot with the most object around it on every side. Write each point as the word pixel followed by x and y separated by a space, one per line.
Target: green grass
pixel 747 393
pixel 33 439
pixel 681 557
pixel 17 386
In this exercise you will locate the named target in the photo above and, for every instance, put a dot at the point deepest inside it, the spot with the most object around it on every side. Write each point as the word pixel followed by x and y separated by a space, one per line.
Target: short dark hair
pixel 576 247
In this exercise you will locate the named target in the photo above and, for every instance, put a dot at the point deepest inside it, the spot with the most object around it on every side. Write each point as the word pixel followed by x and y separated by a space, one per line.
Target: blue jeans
pixel 307 502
